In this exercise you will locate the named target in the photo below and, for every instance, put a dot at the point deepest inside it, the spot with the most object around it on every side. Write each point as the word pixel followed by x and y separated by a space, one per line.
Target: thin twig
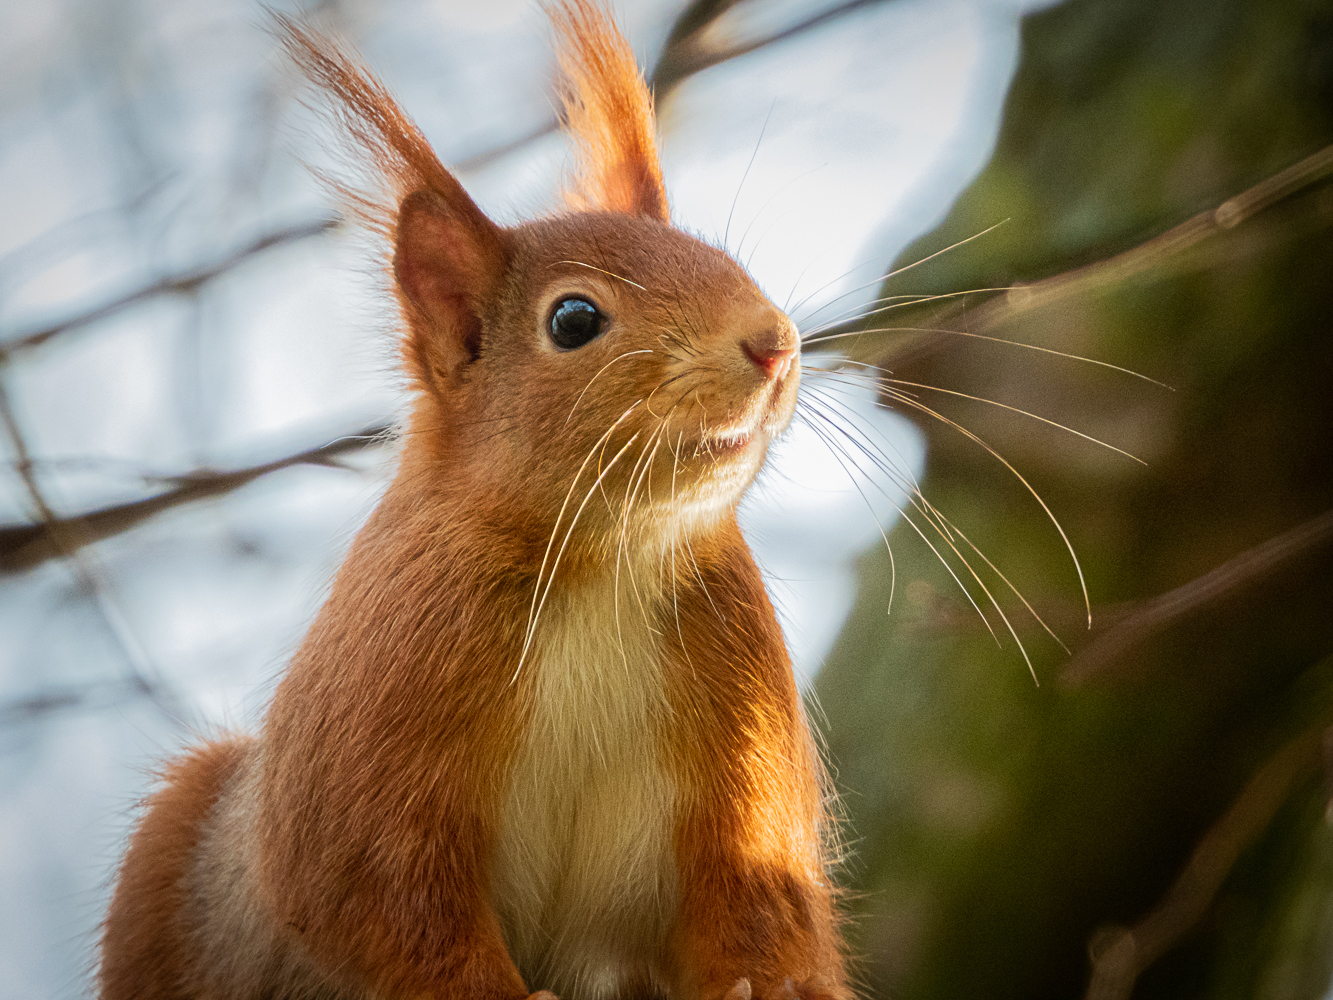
pixel 1100 657
pixel 184 283
pixel 141 674
pixel 682 57
pixel 1119 957
pixel 23 546
pixel 1145 258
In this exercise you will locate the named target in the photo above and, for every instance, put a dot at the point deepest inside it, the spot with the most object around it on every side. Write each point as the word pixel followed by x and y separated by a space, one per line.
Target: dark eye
pixel 574 322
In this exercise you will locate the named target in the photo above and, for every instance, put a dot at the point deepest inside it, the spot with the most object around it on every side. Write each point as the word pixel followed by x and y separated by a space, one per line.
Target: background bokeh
pixel 197 399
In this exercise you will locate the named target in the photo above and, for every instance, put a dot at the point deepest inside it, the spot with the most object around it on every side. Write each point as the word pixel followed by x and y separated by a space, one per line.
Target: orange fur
pixel 544 732
pixel 152 953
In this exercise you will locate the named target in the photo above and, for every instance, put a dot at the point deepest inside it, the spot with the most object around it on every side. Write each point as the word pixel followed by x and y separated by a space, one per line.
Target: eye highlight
pixel 574 322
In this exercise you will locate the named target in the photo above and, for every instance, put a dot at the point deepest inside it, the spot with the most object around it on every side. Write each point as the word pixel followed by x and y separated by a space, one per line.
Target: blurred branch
pixel 683 56
pixel 1151 255
pixel 1120 956
pixel 64 540
pixel 98 694
pixel 1251 566
pixel 23 546
pixel 183 283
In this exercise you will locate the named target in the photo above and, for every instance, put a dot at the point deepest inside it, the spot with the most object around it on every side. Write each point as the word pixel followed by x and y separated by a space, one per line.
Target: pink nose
pixel 768 354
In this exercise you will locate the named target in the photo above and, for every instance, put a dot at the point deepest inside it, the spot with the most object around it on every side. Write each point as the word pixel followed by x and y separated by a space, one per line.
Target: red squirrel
pixel 544 733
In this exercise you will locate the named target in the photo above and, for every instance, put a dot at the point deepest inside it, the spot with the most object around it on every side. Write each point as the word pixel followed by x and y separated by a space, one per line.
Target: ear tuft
pixel 448 257
pixel 608 114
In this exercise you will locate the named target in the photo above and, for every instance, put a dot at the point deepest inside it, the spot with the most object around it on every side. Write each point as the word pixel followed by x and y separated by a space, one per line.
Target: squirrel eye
pixel 574 322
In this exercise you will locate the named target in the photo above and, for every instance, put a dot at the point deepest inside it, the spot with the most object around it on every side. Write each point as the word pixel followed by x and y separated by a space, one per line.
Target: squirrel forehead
pixel 655 257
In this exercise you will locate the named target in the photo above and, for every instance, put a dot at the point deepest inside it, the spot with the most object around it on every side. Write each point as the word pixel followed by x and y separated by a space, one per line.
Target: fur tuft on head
pixel 608 114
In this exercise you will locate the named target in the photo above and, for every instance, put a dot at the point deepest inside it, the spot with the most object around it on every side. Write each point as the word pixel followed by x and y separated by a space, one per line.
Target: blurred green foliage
pixel 996 824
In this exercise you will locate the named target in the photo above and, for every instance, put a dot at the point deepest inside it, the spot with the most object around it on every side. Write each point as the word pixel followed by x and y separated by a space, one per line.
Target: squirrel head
pixel 599 363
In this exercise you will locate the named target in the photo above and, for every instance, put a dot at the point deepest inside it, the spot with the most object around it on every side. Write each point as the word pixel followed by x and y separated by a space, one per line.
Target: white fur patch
pixel 240 953
pixel 584 879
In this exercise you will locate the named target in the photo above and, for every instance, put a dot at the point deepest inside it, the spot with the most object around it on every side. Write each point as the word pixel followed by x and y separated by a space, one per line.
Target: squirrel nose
pixel 770 352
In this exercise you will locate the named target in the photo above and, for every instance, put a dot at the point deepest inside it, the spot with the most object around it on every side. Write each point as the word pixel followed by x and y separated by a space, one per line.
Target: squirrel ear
pixel 608 114
pixel 448 260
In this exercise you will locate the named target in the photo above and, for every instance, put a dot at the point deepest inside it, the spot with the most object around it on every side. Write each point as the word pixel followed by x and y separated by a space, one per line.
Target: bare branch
pixel 1120 956
pixel 1150 255
pixel 1153 255
pixel 184 283
pixel 682 57
pixel 141 673
pixel 23 546
pixel 94 695
pixel 1100 656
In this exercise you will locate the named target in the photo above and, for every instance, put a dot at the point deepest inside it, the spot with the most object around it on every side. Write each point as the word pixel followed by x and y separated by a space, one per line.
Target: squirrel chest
pixel 584 878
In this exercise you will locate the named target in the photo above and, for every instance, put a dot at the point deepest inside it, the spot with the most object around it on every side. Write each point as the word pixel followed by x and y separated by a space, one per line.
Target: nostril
pixel 770 358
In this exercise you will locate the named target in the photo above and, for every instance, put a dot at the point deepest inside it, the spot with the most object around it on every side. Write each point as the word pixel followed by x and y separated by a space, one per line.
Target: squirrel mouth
pixel 736 440
pixel 726 443
pixel 731 442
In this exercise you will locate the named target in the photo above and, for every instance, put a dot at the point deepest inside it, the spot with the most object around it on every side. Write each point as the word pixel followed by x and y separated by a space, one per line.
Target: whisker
pixel 631 492
pixel 741 186
pixel 1017 593
pixel 893 564
pixel 952 246
pixel 1015 409
pixel 595 377
pixel 700 577
pixel 916 404
pixel 995 340
pixel 609 274
pixel 535 611
pixel 833 448
pixel 900 302
pixel 901 270
pixel 946 523
pixel 886 382
pixel 675 541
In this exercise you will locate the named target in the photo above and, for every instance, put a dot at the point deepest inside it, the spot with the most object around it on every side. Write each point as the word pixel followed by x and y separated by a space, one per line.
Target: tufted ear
pixel 448 260
pixel 448 257
pixel 608 114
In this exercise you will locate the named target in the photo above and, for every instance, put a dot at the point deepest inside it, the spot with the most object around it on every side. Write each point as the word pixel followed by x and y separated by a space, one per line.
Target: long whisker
pixel 741 186
pixel 536 614
pixel 901 270
pixel 936 514
pixel 925 512
pixel 762 208
pixel 675 541
pixel 700 577
pixel 982 336
pixel 609 274
pixel 996 570
pixel 952 246
pixel 595 377
pixel 1015 409
pixel 884 383
pixel 532 611
pixel 1078 568
pixel 899 302
pixel 631 492
pixel 893 563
